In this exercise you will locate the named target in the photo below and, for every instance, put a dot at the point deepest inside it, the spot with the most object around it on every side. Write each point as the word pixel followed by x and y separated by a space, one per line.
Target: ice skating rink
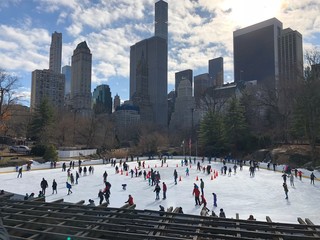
pixel 261 196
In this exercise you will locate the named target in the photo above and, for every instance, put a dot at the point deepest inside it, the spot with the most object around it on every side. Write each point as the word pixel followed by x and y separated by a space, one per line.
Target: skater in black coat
pixel 43 185
pixel 157 189
pixel 100 195
pixel 54 187
pixel 175 175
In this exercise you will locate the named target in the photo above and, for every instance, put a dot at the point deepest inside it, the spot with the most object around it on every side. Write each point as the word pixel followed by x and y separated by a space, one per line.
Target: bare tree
pixel 8 84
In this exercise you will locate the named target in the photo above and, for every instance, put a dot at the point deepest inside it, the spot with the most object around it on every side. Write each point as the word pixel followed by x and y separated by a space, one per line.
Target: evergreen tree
pixel 212 133
pixel 50 153
pixel 41 127
pixel 307 112
pixel 236 125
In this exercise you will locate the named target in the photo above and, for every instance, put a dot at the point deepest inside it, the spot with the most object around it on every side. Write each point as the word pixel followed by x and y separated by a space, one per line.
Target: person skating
pixel 164 190
pixel 105 175
pixel 130 200
pixel 44 185
pixel 198 166
pixel 196 194
pixel 54 187
pixel 214 200
pixel 284 176
pixel 157 189
pixel 72 179
pixel 77 177
pixel 203 201
pixel 312 177
pixel 20 173
pixel 187 171
pixel 285 188
pixel 68 185
pixel 201 186
pixel 222 214
pixel 100 195
pixel 291 180
pixel 300 175
pixel 64 167
pixel 175 175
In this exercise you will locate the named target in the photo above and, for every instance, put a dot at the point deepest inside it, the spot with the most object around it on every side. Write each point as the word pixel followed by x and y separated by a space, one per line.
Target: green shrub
pixel 38 150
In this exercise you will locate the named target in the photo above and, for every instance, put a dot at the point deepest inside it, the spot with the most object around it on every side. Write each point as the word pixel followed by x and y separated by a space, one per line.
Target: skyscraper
pixel 290 55
pixel 269 54
pixel 161 19
pixel 66 70
pixel 201 84
pixel 81 79
pixel 148 74
pixel 102 100
pixel 216 71
pixel 49 83
pixel 55 52
pixel 256 53
pixel 116 102
pixel 182 75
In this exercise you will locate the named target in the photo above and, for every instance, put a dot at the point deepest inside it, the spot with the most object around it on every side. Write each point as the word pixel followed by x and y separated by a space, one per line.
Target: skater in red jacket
pixel 130 200
pixel 196 194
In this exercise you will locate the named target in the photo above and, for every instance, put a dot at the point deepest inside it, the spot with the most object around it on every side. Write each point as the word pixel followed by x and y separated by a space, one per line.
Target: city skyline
pixel 111 27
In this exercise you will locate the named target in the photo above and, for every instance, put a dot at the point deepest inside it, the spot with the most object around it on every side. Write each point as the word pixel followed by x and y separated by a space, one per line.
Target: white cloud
pixel 198 31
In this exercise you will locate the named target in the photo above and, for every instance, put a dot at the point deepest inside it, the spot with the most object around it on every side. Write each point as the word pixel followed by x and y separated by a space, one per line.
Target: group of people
pixel 291 177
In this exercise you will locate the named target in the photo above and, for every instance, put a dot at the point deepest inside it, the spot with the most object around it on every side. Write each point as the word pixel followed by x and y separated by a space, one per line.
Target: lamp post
pixel 191 135
pixel 241 73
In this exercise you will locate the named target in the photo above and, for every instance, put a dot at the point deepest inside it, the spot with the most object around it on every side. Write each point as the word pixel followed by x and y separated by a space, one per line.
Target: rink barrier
pixel 31 220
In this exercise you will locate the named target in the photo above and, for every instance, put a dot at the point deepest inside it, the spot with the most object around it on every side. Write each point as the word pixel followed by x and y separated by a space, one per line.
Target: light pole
pixel 241 73
pixel 191 135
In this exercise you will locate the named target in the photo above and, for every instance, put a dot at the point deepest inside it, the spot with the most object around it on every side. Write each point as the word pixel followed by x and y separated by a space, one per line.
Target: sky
pixel 261 196
pixel 199 30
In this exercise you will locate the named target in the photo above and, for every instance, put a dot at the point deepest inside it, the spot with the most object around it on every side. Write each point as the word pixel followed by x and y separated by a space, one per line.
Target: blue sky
pixel 199 30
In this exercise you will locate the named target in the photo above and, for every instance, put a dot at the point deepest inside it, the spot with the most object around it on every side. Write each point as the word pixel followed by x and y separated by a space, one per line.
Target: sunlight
pixel 248 12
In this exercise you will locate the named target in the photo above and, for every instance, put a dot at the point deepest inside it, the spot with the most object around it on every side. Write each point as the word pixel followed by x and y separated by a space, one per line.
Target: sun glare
pixel 247 12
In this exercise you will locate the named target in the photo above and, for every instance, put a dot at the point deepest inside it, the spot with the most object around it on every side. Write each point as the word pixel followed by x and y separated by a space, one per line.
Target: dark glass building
pixel 216 72
pixel 102 100
pixel 149 71
pixel 255 50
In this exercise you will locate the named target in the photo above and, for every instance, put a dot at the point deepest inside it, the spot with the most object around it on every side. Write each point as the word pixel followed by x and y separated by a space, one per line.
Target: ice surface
pixel 261 195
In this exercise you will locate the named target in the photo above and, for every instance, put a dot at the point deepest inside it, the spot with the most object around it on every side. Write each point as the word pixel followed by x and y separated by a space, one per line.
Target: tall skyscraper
pixel 116 102
pixel 66 70
pixel 256 53
pixel 182 75
pixel 55 52
pixel 269 54
pixel 81 79
pixel 216 71
pixel 201 83
pixel 102 100
pixel 161 19
pixel 49 83
pixel 290 55
pixel 148 76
